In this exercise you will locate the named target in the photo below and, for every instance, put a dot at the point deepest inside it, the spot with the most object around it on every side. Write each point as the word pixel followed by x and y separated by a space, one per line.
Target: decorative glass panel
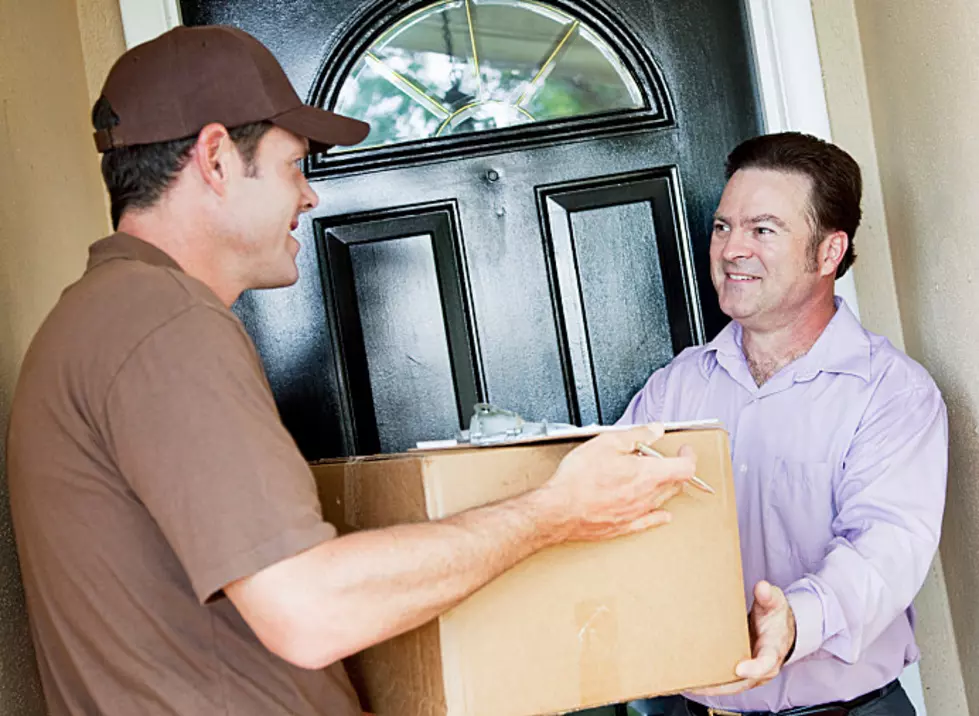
pixel 460 66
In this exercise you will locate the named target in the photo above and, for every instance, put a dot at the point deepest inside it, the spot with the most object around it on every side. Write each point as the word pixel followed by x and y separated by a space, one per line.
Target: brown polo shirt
pixel 148 468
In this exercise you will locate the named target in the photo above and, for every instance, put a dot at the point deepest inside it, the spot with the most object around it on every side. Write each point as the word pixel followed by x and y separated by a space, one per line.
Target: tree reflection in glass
pixel 462 66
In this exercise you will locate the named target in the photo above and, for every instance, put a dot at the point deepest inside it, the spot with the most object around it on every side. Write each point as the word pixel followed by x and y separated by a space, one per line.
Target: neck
pixel 189 241
pixel 768 350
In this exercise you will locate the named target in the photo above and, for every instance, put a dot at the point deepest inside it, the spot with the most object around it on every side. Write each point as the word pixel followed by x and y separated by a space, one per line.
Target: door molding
pixel 786 56
pixel 142 20
pixel 790 75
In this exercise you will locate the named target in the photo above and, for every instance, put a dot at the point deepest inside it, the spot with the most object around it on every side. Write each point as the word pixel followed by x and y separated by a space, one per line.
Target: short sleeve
pixel 196 434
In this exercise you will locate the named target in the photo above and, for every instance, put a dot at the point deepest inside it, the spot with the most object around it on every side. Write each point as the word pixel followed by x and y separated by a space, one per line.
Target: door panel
pixel 548 268
pixel 620 312
pixel 400 303
pixel 408 371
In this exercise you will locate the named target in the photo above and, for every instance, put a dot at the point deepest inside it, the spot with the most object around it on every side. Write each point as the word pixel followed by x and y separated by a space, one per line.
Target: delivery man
pixel 174 555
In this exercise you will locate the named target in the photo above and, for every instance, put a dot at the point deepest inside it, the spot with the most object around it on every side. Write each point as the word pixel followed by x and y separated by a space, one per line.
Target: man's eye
pixel 763 231
pixel 720 228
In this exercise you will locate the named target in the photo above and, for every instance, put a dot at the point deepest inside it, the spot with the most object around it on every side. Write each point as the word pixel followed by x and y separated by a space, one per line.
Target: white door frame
pixel 142 20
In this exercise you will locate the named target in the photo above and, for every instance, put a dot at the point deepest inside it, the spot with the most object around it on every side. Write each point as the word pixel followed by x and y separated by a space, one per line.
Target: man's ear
pixel 831 252
pixel 214 154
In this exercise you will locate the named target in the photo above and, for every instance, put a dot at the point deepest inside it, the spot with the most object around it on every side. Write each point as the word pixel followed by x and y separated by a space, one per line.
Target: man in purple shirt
pixel 839 442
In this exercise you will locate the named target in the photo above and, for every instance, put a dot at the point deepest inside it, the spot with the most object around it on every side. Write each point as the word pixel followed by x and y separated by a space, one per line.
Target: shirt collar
pixel 125 246
pixel 843 347
pixel 725 348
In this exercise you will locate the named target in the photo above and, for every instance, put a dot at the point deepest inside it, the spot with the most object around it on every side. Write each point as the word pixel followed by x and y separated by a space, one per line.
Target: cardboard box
pixel 574 626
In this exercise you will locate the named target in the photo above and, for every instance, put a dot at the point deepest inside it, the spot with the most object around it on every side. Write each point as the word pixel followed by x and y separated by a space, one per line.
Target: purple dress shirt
pixel 840 463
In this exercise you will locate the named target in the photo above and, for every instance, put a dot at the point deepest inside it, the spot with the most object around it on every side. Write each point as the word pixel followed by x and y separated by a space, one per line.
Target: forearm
pixel 891 498
pixel 349 593
pixel 403 576
pixel 369 586
pixel 858 592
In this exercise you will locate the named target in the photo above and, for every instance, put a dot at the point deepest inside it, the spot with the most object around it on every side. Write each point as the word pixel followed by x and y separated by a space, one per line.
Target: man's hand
pixel 602 489
pixel 771 624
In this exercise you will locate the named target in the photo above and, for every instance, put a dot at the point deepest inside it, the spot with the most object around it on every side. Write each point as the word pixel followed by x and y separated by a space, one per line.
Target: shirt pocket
pixel 799 514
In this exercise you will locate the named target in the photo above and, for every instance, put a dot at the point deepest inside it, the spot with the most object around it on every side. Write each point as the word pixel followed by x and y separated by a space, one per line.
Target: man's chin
pixel 282 281
pixel 737 310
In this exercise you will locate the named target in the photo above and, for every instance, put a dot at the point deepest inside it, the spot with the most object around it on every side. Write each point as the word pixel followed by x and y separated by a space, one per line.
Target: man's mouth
pixel 741 277
pixel 294 225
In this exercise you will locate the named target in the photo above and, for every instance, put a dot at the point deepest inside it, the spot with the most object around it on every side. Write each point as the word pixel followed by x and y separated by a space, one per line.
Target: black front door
pixel 528 223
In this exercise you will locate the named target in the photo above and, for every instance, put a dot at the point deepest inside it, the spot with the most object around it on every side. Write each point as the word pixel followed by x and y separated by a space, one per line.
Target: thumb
pixel 764 594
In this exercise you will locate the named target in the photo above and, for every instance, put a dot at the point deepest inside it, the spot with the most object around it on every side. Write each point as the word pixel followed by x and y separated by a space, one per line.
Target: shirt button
pixel 743 468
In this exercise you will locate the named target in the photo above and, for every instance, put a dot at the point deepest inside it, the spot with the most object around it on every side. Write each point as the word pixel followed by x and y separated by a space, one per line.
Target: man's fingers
pixel 666 494
pixel 687 451
pixel 653 519
pixel 731 689
pixel 626 440
pixel 667 469
pixel 761 667
pixel 654 431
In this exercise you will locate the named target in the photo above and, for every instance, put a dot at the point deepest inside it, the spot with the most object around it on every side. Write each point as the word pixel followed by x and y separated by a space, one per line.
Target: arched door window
pixel 462 66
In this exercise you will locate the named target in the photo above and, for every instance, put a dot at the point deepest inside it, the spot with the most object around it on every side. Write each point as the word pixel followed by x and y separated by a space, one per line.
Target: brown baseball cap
pixel 173 86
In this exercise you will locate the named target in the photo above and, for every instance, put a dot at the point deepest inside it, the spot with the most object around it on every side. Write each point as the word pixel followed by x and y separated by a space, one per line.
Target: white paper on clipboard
pixel 573 432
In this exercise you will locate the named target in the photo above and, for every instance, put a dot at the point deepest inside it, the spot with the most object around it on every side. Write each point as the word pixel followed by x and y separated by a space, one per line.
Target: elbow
pixel 310 628
pixel 309 646
pixel 309 656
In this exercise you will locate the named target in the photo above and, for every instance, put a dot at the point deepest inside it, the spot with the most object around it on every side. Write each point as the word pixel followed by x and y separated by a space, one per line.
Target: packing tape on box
pixel 598 647
pixel 352 494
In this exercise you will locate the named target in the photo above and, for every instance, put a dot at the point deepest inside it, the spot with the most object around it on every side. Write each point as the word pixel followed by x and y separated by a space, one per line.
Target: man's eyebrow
pixel 723 219
pixel 771 218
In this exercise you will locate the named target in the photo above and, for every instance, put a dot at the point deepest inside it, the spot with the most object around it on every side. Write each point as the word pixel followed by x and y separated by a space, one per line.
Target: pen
pixel 644 449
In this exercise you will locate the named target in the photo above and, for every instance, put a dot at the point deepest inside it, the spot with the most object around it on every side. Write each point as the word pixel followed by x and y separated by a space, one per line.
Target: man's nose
pixel 310 198
pixel 737 246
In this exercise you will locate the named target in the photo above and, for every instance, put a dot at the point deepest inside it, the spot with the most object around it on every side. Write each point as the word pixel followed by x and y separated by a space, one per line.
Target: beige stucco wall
pixel 100 31
pixel 903 95
pixel 51 208
pixel 921 60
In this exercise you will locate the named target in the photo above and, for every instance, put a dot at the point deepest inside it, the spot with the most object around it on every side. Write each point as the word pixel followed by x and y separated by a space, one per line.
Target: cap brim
pixel 323 129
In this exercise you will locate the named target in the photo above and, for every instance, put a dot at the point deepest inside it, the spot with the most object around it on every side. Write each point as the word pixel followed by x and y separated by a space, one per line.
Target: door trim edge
pixel 142 20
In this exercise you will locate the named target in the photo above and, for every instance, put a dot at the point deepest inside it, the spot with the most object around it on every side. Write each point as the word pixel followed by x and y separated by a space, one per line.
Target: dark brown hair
pixel 834 200
pixel 137 176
